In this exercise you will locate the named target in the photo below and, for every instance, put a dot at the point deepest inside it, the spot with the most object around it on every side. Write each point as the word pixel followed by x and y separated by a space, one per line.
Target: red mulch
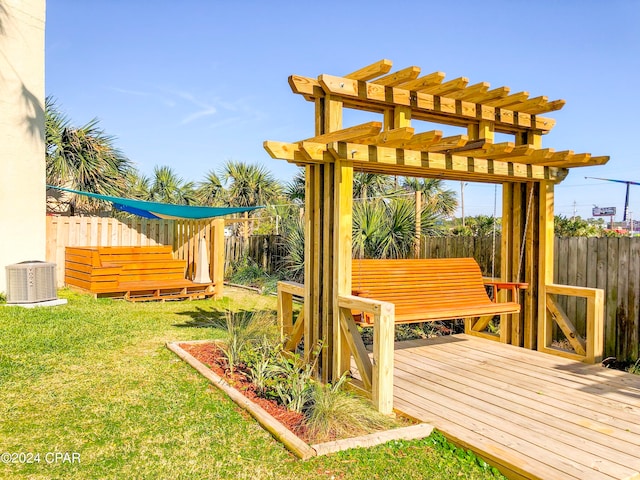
pixel 212 356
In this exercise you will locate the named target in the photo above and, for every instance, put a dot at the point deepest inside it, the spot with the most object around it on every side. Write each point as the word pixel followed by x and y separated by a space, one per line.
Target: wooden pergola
pixel 527 172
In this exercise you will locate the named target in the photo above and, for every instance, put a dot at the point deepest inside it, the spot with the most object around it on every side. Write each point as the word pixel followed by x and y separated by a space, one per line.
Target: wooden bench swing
pixel 425 290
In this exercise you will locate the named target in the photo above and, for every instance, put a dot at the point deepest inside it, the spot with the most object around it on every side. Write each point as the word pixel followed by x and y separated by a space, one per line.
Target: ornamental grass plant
pixel 335 413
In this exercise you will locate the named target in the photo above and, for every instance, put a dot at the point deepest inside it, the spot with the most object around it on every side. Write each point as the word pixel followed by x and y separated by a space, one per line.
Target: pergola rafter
pixel 527 172
pixel 431 99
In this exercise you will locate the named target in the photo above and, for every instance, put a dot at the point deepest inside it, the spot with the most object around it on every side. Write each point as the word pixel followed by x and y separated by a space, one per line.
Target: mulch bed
pixel 211 355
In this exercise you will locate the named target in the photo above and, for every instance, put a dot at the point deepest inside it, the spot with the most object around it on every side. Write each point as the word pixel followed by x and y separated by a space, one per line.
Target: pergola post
pixel 545 260
pixel 342 237
pixel 328 202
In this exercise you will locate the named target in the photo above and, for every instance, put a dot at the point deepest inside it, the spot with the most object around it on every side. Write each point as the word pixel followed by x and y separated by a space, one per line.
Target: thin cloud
pixel 238 111
pixel 206 108
pixel 226 121
pixel 131 92
pixel 201 114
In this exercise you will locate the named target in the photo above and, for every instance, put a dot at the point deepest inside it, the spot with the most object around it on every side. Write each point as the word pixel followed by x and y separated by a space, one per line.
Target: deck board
pixel 531 414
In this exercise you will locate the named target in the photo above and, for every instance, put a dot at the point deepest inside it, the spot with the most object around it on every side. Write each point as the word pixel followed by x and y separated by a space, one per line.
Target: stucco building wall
pixel 22 124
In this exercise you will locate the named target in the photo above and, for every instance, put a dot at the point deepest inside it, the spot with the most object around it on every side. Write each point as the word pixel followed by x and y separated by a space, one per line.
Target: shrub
pixel 248 272
pixel 293 265
pixel 294 384
pixel 259 362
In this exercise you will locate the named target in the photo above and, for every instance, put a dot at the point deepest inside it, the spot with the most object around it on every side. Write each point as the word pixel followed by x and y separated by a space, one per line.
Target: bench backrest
pixel 434 281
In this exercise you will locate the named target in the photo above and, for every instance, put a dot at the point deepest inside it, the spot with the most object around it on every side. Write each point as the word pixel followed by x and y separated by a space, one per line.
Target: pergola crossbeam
pixel 404 140
pixel 422 141
pixel 375 159
pixel 488 150
pixel 470 92
pixel 451 86
pixel 448 143
pixel 513 99
pixel 534 157
pixel 499 92
pixel 548 107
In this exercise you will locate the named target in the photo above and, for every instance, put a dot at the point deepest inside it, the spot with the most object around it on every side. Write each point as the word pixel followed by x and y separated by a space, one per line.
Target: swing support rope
pixel 524 234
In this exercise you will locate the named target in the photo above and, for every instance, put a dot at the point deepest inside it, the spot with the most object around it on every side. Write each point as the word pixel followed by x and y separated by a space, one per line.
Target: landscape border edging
pixel 291 441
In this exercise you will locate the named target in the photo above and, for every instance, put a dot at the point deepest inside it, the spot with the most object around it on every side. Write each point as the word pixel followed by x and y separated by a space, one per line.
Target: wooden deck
pixel 530 414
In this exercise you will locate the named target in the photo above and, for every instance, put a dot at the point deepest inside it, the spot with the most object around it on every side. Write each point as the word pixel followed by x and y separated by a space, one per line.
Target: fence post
pixel 265 253
pixel 217 254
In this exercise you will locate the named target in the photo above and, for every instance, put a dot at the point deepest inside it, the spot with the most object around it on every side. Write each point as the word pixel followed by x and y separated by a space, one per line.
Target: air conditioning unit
pixel 30 282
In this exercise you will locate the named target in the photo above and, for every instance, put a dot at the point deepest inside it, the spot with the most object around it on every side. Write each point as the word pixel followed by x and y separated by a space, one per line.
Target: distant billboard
pixel 603 211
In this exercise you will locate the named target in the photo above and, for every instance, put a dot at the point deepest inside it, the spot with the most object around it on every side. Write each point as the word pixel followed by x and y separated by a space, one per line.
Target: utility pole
pixel 626 197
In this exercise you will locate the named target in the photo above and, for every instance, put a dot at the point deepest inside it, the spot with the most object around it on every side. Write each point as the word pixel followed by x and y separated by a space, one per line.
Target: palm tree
pixel 384 229
pixel 168 187
pixel 210 191
pixel 371 185
pixel 401 229
pixel 139 185
pixel 83 158
pixel 369 219
pixel 442 200
pixel 249 185
pixel 478 226
pixel 295 189
pixel 186 194
pixel 293 264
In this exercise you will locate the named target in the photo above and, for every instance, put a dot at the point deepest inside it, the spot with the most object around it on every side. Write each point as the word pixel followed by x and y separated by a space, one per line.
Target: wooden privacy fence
pixel 268 251
pixel 65 232
pixel 612 264
pixel 182 235
pixel 480 248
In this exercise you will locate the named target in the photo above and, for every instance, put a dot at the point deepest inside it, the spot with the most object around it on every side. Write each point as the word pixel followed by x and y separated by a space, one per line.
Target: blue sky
pixel 194 83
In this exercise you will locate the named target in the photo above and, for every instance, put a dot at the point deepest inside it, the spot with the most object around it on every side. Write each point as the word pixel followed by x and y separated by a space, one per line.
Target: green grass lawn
pixel 93 378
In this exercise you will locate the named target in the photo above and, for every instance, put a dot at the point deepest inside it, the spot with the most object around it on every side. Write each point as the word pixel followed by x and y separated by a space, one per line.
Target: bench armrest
pixel 360 293
pixel 498 285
